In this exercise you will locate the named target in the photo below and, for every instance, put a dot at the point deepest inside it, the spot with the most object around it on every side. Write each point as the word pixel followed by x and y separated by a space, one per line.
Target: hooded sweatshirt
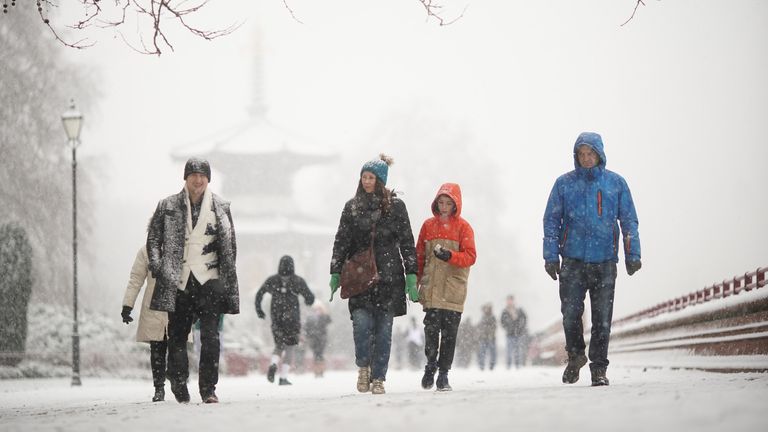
pixel 443 284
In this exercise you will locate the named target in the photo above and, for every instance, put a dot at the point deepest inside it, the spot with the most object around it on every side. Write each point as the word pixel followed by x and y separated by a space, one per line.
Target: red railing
pixel 747 282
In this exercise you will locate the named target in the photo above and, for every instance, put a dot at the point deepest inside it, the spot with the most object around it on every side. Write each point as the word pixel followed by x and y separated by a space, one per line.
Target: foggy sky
pixel 679 95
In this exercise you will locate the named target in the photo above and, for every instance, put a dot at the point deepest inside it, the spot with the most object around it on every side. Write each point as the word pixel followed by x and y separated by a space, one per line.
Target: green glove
pixel 410 287
pixel 334 284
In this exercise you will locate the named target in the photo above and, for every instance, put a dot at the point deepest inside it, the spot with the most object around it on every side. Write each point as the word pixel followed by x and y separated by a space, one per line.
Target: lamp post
pixel 73 122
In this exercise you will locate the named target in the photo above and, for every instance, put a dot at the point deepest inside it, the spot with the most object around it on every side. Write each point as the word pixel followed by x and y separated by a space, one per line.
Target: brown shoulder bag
pixel 359 272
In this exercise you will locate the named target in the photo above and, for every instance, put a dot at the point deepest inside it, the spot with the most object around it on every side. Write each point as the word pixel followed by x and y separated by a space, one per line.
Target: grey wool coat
pixel 165 246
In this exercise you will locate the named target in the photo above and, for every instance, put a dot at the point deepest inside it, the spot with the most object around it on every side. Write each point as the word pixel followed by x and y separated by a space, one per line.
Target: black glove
pixel 126 314
pixel 442 253
pixel 260 313
pixel 633 266
pixel 552 268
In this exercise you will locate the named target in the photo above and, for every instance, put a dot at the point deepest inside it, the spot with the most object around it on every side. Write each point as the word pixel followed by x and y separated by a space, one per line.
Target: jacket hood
pixel 595 142
pixel 286 266
pixel 454 192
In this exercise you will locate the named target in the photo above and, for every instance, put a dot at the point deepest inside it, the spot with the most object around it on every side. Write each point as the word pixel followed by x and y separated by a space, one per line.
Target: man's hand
pixel 126 314
pixel 633 266
pixel 410 288
pixel 442 253
pixel 334 283
pixel 552 268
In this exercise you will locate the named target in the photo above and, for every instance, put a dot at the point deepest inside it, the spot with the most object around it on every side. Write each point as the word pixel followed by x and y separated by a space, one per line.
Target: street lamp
pixel 73 122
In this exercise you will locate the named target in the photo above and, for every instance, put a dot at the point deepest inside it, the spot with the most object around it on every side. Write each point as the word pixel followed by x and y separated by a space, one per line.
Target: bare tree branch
pixel 285 3
pixel 433 11
pixel 637 5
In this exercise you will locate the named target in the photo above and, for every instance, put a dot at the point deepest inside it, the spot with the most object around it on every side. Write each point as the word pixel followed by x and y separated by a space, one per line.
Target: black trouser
pixel 194 302
pixel 576 278
pixel 440 329
pixel 157 353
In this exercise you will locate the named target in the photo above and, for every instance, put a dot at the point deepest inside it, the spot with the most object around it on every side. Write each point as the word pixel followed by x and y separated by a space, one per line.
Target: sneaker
pixel 442 382
pixel 284 381
pixel 180 391
pixel 271 372
pixel 575 362
pixel 211 398
pixel 159 394
pixel 599 378
pixel 363 379
pixel 428 380
pixel 378 386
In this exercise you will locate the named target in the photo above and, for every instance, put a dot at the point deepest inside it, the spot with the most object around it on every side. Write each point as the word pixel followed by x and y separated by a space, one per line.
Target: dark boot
pixel 271 372
pixel 284 381
pixel 428 380
pixel 180 391
pixel 598 377
pixel 442 382
pixel 210 398
pixel 159 394
pixel 576 361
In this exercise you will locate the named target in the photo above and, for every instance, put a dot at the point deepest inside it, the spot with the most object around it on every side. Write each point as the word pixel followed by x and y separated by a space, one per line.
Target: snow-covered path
pixel 529 399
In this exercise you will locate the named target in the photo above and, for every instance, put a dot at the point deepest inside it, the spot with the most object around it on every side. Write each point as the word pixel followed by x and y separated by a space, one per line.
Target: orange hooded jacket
pixel 443 285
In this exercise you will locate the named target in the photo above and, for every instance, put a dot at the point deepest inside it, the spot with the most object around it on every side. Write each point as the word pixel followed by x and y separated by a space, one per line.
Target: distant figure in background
pixel 316 331
pixel 192 252
pixel 466 343
pixel 515 322
pixel 486 336
pixel 445 252
pixel 415 342
pixel 285 288
pixel 581 223
pixel 153 325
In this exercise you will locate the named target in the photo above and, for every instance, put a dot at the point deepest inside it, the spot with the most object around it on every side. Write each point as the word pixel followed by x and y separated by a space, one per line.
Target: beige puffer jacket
pixel 153 325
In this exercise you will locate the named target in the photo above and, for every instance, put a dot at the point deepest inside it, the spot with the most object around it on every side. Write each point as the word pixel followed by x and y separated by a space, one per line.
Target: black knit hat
pixel 197 165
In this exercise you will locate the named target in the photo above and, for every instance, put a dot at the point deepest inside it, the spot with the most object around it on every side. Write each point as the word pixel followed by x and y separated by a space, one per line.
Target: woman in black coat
pixel 372 312
pixel 285 288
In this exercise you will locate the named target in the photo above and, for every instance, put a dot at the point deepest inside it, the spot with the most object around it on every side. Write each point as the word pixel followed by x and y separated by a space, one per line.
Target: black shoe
pixel 180 391
pixel 211 398
pixel 284 381
pixel 575 363
pixel 442 382
pixel 598 377
pixel 159 394
pixel 428 380
pixel 271 372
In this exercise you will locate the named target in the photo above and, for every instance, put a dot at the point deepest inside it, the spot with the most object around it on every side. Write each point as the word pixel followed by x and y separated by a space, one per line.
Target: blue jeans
pixel 372 332
pixel 576 279
pixel 490 347
pixel 515 352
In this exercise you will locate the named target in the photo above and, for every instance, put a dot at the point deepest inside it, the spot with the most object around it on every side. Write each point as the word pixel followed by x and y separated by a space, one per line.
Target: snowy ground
pixel 524 400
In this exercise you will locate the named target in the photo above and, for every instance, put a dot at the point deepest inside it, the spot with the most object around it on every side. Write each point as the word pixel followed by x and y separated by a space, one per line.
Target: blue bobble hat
pixel 379 167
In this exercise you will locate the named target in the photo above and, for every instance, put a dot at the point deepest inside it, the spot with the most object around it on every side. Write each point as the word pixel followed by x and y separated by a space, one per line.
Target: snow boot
pixel 180 391
pixel 598 377
pixel 364 379
pixel 428 380
pixel 211 398
pixel 159 394
pixel 271 372
pixel 442 382
pixel 378 387
pixel 576 361
pixel 284 381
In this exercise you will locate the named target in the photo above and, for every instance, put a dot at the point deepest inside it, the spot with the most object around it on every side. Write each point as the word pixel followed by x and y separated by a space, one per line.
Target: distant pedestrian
pixel 514 322
pixel 486 337
pixel 316 331
pixel 285 288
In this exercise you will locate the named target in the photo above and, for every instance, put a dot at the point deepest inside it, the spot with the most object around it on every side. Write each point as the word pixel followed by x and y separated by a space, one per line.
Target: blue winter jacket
pixel 583 210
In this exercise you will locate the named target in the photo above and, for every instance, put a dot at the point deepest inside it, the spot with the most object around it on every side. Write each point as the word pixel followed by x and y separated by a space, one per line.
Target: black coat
pixel 285 288
pixel 165 248
pixel 393 247
pixel 514 326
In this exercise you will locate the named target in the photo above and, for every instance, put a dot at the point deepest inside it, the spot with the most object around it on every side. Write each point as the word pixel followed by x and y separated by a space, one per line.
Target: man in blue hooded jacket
pixel 581 223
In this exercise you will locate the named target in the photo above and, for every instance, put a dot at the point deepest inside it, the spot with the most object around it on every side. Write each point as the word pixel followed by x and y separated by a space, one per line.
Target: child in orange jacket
pixel 445 250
